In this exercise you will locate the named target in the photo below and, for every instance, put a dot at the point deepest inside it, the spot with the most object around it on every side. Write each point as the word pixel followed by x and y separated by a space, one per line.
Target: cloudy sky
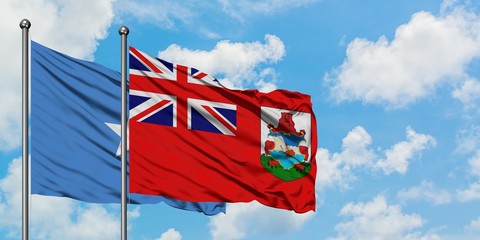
pixel 395 87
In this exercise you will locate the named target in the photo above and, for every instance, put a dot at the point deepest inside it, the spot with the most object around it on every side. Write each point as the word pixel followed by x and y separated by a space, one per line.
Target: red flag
pixel 192 139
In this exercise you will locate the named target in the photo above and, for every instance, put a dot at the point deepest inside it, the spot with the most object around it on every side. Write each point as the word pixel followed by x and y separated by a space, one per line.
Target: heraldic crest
pixel 286 153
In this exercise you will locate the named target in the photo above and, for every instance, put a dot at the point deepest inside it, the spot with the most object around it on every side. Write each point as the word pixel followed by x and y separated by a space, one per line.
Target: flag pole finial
pixel 26 24
pixel 122 31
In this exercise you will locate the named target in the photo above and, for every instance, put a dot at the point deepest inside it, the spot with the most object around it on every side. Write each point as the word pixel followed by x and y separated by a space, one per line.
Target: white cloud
pixel 420 236
pixel 134 213
pixel 336 168
pixel 468 94
pixel 241 69
pixel 169 14
pixel 62 25
pixel 267 80
pixel 471 231
pixel 472 193
pixel 468 140
pixel 164 13
pixel 473 226
pixel 242 9
pixel 398 157
pixel 59 24
pixel 425 191
pixel 357 152
pixel 331 171
pixel 448 5
pixel 90 222
pixel 11 196
pixel 411 66
pixel 474 163
pixel 188 14
pixel 377 220
pixel 52 217
pixel 170 234
pixel 244 219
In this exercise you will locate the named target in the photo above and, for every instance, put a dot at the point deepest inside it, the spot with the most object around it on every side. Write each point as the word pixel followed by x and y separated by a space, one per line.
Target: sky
pixel 395 88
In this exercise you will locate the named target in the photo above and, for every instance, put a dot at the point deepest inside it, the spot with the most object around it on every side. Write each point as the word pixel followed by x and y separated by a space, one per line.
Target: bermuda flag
pixel 194 140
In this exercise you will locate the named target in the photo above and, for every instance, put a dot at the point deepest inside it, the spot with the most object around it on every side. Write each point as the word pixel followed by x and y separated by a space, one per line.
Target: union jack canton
pixel 152 82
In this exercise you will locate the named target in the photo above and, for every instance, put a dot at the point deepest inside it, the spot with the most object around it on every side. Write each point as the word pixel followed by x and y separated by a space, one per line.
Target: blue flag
pixel 75 126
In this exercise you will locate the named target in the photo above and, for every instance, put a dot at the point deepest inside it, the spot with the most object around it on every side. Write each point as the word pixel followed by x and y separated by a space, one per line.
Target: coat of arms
pixel 286 150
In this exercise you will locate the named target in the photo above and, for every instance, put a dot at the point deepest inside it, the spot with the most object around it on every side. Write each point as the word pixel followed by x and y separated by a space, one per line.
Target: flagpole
pixel 25 26
pixel 123 31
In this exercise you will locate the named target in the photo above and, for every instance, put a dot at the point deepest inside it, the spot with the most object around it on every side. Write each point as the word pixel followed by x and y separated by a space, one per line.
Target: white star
pixel 117 128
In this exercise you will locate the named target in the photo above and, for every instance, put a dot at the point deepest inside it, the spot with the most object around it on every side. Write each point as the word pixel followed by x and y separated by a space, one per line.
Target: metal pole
pixel 25 26
pixel 123 31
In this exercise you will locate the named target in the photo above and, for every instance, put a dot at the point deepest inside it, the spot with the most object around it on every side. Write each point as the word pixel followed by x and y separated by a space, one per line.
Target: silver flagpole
pixel 123 31
pixel 25 26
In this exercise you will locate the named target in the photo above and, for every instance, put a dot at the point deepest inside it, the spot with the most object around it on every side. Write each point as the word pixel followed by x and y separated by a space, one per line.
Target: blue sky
pixel 394 84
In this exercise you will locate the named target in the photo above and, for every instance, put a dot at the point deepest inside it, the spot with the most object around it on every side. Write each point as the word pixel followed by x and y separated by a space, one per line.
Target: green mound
pixel 282 173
